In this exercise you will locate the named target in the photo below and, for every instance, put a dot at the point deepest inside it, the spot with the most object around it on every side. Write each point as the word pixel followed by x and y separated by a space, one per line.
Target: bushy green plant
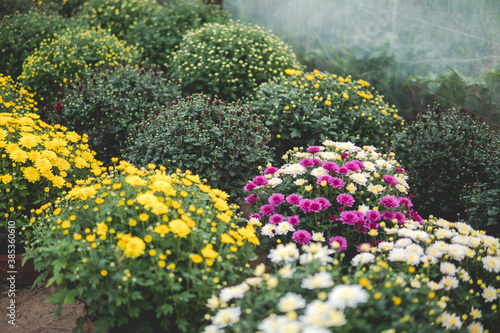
pixel 14 98
pixel 433 277
pixel 303 109
pixel 22 33
pixel 142 248
pixel 444 150
pixel 230 60
pixel 66 8
pixel 333 190
pixel 117 16
pixel 72 52
pixel 13 7
pixel 108 104
pixel 226 142
pixel 160 32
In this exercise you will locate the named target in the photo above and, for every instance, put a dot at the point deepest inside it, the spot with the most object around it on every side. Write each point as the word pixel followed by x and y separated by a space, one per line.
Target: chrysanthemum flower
pixel 301 237
pixel 291 302
pixel 343 296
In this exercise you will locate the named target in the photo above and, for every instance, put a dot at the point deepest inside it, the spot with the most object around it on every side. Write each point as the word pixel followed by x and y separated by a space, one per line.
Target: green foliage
pixel 117 16
pixel 109 103
pixel 12 7
pixel 444 150
pixel 159 33
pixel 226 142
pixel 72 52
pixel 230 60
pixel 303 109
pixel 66 8
pixel 22 33
pixel 137 248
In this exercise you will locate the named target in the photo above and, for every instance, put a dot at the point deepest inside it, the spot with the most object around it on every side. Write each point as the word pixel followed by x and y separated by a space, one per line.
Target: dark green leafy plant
pixel 22 33
pixel 107 104
pixel 445 150
pixel 303 109
pixel 160 32
pixel 12 7
pixel 226 142
pixel 66 8
pixel 230 60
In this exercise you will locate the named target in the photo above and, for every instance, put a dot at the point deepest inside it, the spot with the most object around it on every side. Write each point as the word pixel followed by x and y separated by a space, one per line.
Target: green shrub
pixel 224 142
pixel 72 52
pixel 66 8
pixel 159 33
pixel 230 60
pixel 303 109
pixel 12 7
pixel 22 33
pixel 444 150
pixel 116 15
pixel 107 104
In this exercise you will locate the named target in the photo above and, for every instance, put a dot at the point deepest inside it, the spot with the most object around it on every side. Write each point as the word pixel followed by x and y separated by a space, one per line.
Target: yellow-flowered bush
pixel 14 97
pixel 38 162
pixel 142 248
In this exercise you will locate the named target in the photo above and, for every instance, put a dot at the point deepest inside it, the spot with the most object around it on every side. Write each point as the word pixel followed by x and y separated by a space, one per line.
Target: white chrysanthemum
pixel 291 326
pixel 385 246
pixel 433 285
pixel 318 237
pixel 397 254
pixel 295 170
pixel 489 294
pixel 441 246
pixel 412 225
pixel 321 314
pixel 300 181
pixel 491 264
pixel 448 282
pixel 456 251
pixel 315 329
pixel 254 281
pixel 415 248
pixel 359 178
pixel 402 188
pixel 227 316
pixel 488 241
pixel 405 232
pixel 286 272
pixel 319 172
pixel 415 283
pixel 464 275
pixel 442 233
pixel 412 258
pixel 213 302
pixel 463 228
pixel 346 146
pixel 363 209
pixel 212 329
pixel 268 230
pixel 328 155
pixel 322 279
pixel 448 268
pixel 429 259
pixel 369 166
pixel 390 231
pixel 351 188
pixel 328 143
pixel 361 155
pixel 450 321
pixel 375 189
pixel 362 259
pixel 343 296
pixel 287 253
pixel 291 302
pixel 273 182
pixel 475 327
pixel 253 221
pixel 316 251
pixel 229 293
pixel 383 164
pixel 474 242
pixel 273 324
pixel 475 313
pixel 301 154
pixel 284 228
pixel 418 235
pixel 403 242
pixel 442 223
pixel 461 239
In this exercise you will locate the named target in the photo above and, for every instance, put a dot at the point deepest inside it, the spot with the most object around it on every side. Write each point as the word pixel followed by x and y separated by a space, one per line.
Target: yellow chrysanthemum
pixel 19 156
pixel 196 258
pixel 31 174
pixel 102 228
pixel 29 141
pixel 135 247
pixel 162 230
pixel 225 238
pixel 208 252
pixel 179 227
pixel 135 181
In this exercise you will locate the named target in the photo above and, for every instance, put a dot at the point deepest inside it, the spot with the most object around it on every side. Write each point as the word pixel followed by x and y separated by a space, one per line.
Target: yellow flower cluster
pixel 14 97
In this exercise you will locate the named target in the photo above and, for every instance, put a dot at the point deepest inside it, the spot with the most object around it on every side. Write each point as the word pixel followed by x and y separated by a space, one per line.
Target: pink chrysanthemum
pixel 413 215
pixel 388 215
pixel 390 180
pixel 342 170
pixel 405 202
pixel 249 187
pixel 317 161
pixel 324 202
pixel 352 166
pixel 302 237
pixel 361 226
pixel 345 199
pixel 340 245
pixel 276 219
pixel 307 162
pixel 373 225
pixel 313 149
pixel 389 201
pixel 325 178
pixel 293 220
pixel 293 199
pixel 305 205
pixel 349 217
pixel 315 207
pixel 252 199
pixel 267 209
pixel 256 216
pixel 400 217
pixel 270 170
pixel 330 166
pixel 337 182
pixel 260 181
pixel 276 199
pixel 373 216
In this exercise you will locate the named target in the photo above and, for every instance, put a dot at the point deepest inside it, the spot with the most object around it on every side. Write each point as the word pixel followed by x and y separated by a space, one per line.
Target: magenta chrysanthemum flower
pixel 293 220
pixel 389 201
pixel 349 217
pixel 305 205
pixel 276 199
pixel 337 182
pixel 345 199
pixel 260 181
pixel 276 219
pixel 390 180
pixel 405 202
pixel 256 216
pixel 324 202
pixel 315 207
pixel 317 161
pixel 302 237
pixel 387 215
pixel 330 166
pixel 340 243
pixel 373 225
pixel 313 149
pixel 359 163
pixel 361 227
pixel 293 199
pixel 373 216
pixel 413 215
pixel 400 170
pixel 267 209
pixel 270 170
pixel 325 178
pixel 342 170
pixel 249 187
pixel 353 166
pixel 306 162
pixel 252 199
pixel 400 217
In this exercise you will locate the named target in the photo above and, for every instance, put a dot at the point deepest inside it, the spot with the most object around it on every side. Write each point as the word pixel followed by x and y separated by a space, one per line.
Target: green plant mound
pixel 73 52
pixel 226 142
pixel 109 103
pixel 117 16
pixel 143 249
pixel 230 60
pixel 66 8
pixel 302 109
pixel 13 7
pixel 22 33
pixel 445 150
pixel 14 98
pixel 158 34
